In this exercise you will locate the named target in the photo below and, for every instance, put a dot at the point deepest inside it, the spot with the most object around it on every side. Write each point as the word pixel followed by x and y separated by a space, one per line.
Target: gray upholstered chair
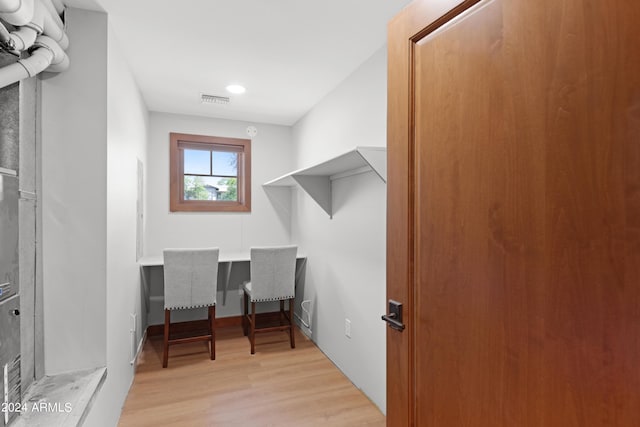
pixel 273 271
pixel 190 281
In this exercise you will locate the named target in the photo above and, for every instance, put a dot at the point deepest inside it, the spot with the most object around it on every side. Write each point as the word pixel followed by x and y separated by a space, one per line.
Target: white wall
pixel 94 128
pixel 127 121
pixel 74 200
pixel 345 275
pixel 266 224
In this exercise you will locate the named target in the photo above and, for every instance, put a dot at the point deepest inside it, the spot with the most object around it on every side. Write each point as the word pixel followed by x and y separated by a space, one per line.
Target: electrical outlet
pixel 347 328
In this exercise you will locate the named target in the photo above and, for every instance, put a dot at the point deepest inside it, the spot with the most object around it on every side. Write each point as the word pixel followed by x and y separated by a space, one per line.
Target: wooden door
pixel 514 213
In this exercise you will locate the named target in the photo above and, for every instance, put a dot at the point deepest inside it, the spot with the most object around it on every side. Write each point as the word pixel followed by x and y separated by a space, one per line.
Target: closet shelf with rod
pixel 316 180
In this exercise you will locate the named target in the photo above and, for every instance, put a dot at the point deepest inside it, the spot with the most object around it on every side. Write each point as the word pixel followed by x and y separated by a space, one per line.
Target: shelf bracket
pixel 376 159
pixel 319 188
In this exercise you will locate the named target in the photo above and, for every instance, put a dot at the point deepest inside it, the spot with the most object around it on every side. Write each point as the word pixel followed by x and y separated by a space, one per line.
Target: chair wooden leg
pixel 252 337
pixel 281 314
pixel 167 320
pixel 212 330
pixel 292 334
pixel 245 326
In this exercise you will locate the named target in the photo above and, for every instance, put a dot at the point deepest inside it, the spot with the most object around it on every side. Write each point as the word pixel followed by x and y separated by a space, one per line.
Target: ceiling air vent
pixel 213 99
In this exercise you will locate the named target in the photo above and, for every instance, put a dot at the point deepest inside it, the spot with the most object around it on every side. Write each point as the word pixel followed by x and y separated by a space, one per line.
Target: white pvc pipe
pixel 45 23
pixel 7 6
pixel 28 67
pixel 60 60
pixel 24 38
pixel 53 30
pixel 53 12
pixel 17 12
pixel 4 34
pixel 59 6
pixel 12 73
pixel 37 21
pixel 39 60
pixel 59 67
pixel 32 19
pixel 44 19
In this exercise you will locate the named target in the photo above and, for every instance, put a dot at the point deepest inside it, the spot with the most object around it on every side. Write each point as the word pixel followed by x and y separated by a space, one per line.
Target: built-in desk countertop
pixel 225 257
pixel 226 261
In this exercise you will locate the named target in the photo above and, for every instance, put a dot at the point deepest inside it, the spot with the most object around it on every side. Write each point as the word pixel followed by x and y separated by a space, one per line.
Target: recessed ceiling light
pixel 237 89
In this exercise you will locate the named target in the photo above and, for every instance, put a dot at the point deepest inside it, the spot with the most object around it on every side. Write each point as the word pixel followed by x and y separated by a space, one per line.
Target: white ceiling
pixel 288 53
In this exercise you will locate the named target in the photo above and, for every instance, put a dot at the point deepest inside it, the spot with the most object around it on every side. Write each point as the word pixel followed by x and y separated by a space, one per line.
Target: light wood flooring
pixel 278 386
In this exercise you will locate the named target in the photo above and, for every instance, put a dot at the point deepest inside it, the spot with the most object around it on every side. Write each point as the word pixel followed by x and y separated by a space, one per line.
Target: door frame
pixel 414 22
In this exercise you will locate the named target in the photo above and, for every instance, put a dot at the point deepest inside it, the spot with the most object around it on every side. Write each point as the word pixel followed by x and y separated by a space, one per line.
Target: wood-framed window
pixel 209 174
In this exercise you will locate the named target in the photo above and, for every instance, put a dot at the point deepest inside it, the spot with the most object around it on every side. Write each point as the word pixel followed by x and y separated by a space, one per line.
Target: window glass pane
pixel 225 163
pixel 197 162
pixel 228 189
pixel 210 188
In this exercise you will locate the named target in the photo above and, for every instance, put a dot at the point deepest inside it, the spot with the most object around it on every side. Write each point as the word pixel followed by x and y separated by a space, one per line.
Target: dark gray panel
pixel 27 289
pixel 27 132
pixel 9 281
pixel 9 116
